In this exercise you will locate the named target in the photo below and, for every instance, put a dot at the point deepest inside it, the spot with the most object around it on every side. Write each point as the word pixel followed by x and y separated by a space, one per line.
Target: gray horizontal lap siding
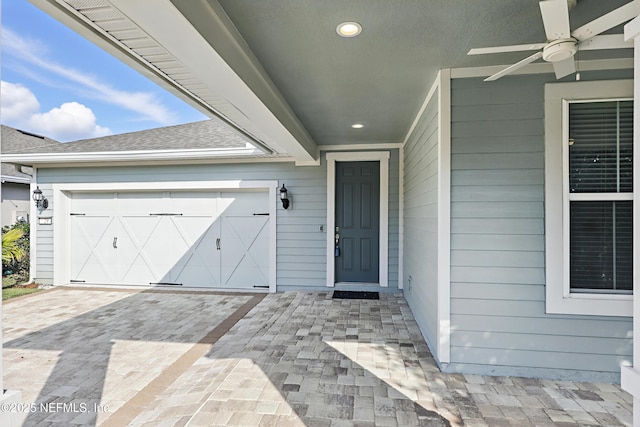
pixel 498 319
pixel 44 242
pixel 421 222
pixel 301 246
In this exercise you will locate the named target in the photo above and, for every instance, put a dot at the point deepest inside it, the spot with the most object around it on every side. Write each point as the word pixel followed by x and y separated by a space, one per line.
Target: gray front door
pixel 357 221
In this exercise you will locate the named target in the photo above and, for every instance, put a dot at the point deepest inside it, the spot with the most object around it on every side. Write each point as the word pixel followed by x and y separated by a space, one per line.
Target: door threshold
pixel 356 284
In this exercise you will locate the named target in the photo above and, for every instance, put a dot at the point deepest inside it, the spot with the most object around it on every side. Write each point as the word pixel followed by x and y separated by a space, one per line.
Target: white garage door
pixel 188 238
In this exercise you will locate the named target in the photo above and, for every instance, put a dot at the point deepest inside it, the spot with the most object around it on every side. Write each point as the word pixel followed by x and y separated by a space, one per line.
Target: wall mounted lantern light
pixel 284 196
pixel 41 201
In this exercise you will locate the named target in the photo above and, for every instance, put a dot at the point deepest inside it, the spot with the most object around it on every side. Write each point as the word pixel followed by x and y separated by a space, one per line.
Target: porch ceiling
pixel 279 72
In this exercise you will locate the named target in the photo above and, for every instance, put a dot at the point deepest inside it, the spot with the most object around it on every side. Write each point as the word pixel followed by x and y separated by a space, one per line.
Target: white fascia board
pixel 357 147
pixel 127 156
pixel 15 179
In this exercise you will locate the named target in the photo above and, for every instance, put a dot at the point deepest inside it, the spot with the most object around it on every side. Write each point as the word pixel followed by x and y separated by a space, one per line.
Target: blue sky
pixel 56 83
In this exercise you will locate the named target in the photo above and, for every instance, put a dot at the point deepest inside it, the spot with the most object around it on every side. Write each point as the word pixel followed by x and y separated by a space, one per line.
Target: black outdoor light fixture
pixel 284 196
pixel 41 201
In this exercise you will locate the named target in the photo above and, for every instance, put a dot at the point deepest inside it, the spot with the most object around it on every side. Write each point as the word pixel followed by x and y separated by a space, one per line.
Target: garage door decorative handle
pixel 218 243
pixel 115 243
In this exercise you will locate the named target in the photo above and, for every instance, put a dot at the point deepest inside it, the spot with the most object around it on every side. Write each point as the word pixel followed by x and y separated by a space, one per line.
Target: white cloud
pixel 20 108
pixel 68 122
pixel 143 103
pixel 16 102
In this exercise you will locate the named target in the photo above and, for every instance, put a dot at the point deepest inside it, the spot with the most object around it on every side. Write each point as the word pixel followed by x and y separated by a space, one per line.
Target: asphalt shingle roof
pixel 17 141
pixel 197 135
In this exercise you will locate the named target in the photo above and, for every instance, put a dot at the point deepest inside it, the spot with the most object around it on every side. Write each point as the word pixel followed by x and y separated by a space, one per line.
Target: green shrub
pixel 9 281
pixel 15 249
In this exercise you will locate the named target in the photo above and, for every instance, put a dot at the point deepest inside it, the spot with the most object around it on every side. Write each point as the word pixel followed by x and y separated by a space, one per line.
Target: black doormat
pixel 355 295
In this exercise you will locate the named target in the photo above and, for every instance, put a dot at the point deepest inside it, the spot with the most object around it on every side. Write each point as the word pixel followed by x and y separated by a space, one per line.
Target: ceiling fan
pixel 562 43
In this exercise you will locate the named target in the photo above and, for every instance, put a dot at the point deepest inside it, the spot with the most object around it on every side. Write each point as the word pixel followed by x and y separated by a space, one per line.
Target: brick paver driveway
pixel 89 356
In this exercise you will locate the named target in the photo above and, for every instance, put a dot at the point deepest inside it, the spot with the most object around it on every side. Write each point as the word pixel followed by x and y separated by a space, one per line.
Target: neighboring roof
pixel 197 135
pixel 10 174
pixel 16 140
pixel 203 140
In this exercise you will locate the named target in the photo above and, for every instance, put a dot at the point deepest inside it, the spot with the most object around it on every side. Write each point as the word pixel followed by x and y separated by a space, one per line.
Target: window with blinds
pixel 600 194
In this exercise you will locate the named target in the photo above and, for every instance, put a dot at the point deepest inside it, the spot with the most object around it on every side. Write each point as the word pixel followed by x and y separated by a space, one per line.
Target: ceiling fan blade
pixel 502 49
pixel 564 67
pixel 514 67
pixel 555 17
pixel 607 21
pixel 609 41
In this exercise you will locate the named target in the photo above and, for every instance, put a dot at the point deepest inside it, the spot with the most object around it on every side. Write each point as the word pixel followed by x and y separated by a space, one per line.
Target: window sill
pixel 591 305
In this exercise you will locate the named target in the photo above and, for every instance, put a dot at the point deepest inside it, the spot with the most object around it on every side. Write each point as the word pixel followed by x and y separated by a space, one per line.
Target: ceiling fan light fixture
pixel 559 50
pixel 349 29
pixel 562 44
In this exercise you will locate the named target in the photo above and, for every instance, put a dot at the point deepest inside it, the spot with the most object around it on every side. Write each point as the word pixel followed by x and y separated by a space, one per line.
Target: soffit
pixel 314 83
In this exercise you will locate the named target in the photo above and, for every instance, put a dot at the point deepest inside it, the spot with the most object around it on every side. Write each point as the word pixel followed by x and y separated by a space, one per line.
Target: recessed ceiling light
pixel 349 29
pixel 357 125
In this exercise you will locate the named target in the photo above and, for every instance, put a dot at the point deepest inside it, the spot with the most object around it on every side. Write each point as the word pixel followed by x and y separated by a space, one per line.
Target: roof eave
pixel 253 106
pixel 15 179
pixel 106 157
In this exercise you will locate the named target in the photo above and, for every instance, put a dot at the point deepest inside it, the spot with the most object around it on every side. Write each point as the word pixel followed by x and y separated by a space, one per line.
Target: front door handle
pixel 115 243
pixel 218 243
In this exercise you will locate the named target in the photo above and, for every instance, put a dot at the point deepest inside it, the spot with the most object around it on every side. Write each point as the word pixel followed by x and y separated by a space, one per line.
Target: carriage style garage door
pixel 189 238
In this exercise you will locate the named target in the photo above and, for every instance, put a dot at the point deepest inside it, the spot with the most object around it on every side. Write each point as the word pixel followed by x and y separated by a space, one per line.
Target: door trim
pixel 383 158
pixel 62 203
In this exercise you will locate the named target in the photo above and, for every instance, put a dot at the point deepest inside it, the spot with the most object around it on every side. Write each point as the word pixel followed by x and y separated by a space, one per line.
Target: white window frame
pixel 559 298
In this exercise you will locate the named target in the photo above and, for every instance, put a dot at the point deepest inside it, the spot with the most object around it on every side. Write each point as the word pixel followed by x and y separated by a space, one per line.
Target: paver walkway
pixel 295 359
